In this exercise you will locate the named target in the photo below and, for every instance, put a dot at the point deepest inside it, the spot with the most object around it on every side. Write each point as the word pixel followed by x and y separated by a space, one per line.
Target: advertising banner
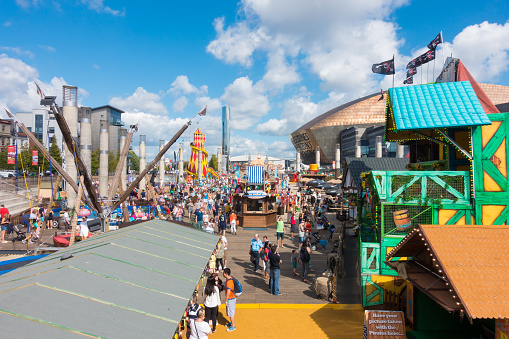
pixel 35 157
pixel 11 155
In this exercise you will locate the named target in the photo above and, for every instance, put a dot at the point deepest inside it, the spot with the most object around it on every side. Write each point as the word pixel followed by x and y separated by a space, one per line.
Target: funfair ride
pixel 197 145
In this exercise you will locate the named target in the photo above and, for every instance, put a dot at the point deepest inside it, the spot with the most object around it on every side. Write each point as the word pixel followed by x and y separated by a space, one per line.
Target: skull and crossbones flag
pixel 434 43
pixel 410 72
pixel 415 63
pixel 385 67
pixel 409 80
pixel 428 56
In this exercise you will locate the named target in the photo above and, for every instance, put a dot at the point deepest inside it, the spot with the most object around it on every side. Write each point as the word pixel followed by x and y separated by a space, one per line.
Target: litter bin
pixel 280 210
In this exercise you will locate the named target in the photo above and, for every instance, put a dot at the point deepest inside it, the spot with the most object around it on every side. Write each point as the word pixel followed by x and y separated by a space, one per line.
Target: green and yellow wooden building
pixel 457 176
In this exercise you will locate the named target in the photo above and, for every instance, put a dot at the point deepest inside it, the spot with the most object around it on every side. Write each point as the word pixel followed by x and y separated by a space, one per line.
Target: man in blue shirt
pixel 222 224
pixel 199 218
pixel 255 249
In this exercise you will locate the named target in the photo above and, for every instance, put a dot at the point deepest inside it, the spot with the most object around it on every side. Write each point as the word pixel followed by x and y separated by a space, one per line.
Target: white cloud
pixel 339 40
pixel 17 50
pixel 298 111
pixel 181 86
pixel 7 23
pixel 237 43
pixel 157 129
pixel 96 66
pixel 47 48
pixel 245 146
pixel 140 101
pixel 483 48
pixel 179 105
pixel 279 72
pixel 247 102
pixel 213 104
pixel 99 7
pixel 17 90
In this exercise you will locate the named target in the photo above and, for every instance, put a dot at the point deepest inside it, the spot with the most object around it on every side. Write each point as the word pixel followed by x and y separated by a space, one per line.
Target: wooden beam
pixel 120 166
pixel 56 185
pixel 74 221
pixel 82 168
pixel 45 152
pixel 136 181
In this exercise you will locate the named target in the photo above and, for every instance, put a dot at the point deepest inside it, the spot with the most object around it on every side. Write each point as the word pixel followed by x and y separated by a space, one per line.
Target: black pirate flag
pixel 438 40
pixel 409 80
pixel 428 56
pixel 415 63
pixel 410 72
pixel 386 67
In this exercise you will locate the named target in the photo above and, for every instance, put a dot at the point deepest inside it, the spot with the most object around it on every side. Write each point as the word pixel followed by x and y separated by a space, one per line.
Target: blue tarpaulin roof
pixel 450 104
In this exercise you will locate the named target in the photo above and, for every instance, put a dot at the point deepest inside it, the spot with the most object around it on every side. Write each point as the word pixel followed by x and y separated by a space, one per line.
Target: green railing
pixel 422 187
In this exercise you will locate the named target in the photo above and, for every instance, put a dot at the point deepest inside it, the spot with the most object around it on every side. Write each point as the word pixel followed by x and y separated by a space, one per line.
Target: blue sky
pixel 277 64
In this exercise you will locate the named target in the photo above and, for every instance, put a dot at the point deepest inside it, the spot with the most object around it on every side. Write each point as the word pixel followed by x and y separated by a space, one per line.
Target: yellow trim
pixel 298 306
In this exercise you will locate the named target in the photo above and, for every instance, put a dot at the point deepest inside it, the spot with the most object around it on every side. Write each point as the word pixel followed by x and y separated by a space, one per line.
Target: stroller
pixel 315 240
pixel 20 235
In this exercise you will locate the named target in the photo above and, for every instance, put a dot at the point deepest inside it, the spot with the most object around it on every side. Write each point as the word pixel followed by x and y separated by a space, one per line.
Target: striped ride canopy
pixel 255 174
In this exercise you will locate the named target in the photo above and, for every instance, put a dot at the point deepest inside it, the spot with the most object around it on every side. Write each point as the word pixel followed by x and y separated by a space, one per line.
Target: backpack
pixel 237 287
pixel 304 255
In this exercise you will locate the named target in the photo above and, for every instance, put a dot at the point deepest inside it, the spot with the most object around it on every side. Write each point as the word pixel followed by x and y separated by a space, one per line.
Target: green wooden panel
pixel 400 190
pixel 502 219
pixel 495 142
pixel 456 217
pixel 367 299
pixel 495 174
pixel 449 189
pixel 478 171
pixel 368 260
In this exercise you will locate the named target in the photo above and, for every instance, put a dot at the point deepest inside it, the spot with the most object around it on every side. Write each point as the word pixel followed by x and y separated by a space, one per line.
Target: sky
pixel 276 63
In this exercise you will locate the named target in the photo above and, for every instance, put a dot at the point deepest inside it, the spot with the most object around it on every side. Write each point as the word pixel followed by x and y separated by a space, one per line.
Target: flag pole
pixel 393 65
pixel 443 53
pixel 427 73
pixel 434 68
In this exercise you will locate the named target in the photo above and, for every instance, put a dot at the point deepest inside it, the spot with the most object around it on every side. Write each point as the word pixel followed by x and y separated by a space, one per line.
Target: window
pixel 51 129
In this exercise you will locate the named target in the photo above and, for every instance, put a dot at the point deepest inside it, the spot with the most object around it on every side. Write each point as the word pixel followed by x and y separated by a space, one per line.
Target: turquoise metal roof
pixel 450 104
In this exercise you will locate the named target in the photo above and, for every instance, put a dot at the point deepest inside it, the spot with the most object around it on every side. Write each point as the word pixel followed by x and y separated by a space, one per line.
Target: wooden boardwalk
pixel 293 290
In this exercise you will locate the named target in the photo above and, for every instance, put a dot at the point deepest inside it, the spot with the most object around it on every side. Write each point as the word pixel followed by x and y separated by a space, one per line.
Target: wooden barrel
pixel 402 220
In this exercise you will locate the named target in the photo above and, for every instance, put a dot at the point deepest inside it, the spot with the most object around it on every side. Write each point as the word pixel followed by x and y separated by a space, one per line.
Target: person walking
pixel 293 224
pixel 230 299
pixel 302 234
pixel 220 254
pixel 255 249
pixel 200 329
pixel 275 270
pixel 199 218
pixel 305 257
pixel 5 223
pixel 280 231
pixel 222 223
pixel 212 301
pixel 233 223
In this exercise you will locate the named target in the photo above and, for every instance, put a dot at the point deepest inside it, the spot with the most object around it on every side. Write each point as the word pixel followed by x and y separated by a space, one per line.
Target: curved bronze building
pixel 362 114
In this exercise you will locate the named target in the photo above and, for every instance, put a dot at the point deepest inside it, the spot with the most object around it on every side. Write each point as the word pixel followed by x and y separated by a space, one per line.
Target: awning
pixel 462 267
pixel 255 174
pixel 135 282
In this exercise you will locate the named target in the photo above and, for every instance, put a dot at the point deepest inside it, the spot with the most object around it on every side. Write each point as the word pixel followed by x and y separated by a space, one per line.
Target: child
pixel 266 264
pixel 295 260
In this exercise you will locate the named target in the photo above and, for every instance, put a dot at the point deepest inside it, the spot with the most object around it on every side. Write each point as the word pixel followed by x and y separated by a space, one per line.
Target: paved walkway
pixel 293 321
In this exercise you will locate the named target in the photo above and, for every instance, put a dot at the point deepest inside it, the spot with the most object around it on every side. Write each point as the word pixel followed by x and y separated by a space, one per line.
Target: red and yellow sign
pixel 35 157
pixel 11 155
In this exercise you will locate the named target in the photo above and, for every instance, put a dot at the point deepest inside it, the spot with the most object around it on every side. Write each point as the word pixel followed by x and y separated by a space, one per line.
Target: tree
pixel 135 161
pixel 213 162
pixel 112 162
pixel 54 150
pixel 3 161
pixel 95 161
